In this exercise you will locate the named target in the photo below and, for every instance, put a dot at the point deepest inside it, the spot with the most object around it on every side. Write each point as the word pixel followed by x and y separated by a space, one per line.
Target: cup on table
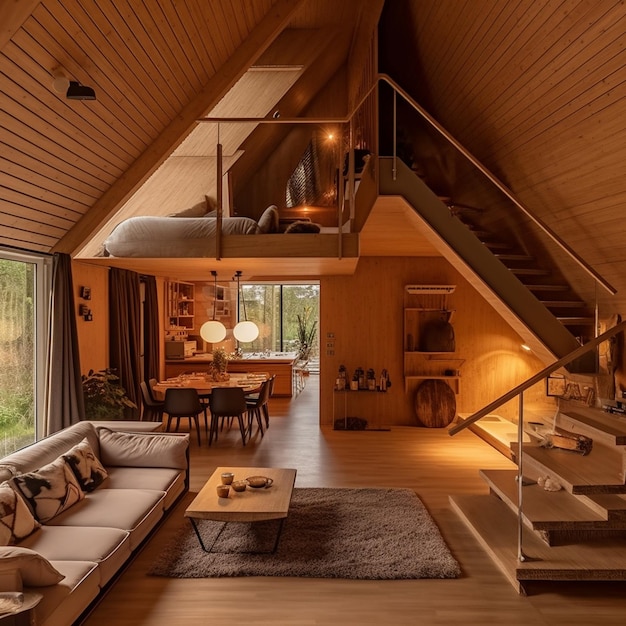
pixel 227 478
pixel 223 491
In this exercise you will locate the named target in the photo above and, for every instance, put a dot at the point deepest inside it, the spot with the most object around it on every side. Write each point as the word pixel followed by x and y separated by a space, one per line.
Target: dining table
pixel 203 384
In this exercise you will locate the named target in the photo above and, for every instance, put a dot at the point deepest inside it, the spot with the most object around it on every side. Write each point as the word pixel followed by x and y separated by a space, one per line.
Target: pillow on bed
pixel 197 210
pixel 303 227
pixel 268 222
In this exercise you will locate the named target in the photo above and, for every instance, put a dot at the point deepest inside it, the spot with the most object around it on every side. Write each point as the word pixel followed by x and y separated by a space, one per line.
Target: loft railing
pixel 519 392
pixel 495 181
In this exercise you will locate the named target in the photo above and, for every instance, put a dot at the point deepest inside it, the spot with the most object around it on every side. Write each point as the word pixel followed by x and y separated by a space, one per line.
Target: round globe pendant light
pixel 244 331
pixel 213 331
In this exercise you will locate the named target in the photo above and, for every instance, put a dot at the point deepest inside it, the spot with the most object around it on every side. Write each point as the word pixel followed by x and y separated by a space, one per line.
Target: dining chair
pixel 227 403
pixel 151 384
pixel 152 409
pixel 257 404
pixel 180 402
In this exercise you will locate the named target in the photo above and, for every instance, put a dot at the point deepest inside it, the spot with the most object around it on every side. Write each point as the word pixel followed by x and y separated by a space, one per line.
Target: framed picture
pixel 85 293
pixel 555 385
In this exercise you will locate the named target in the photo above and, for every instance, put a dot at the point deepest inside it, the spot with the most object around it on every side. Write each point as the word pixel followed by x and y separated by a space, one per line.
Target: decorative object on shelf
pixel 350 423
pixel 244 331
pixel 385 383
pixel 435 404
pixel 438 335
pixel 105 398
pixel 340 383
pixel 85 312
pixel 563 439
pixel 371 380
pixel 213 331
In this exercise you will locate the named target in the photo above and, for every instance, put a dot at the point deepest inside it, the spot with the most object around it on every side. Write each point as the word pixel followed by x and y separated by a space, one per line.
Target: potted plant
pixel 220 364
pixel 307 330
pixel 105 398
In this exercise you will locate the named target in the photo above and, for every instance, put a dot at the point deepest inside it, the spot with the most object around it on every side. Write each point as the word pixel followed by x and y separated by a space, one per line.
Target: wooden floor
pixel 426 460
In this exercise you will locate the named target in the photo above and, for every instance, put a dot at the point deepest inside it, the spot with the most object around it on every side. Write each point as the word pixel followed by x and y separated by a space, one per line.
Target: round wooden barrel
pixel 435 404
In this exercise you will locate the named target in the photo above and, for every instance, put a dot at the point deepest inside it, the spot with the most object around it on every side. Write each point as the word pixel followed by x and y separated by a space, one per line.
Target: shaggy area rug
pixel 330 533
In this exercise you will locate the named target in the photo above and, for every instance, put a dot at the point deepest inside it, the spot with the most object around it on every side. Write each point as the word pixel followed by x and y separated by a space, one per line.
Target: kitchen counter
pixel 279 364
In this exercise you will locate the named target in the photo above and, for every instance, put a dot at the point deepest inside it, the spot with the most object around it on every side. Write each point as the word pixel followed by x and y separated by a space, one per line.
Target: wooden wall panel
pixel 93 337
pixel 364 312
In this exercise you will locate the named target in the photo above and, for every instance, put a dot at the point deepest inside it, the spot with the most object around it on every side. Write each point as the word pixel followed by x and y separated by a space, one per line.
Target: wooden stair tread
pixel 528 271
pixel 593 473
pixel 609 428
pixel 613 503
pixel 495 527
pixel 575 319
pixel 544 510
pixel 563 304
pixel 547 287
pixel 514 257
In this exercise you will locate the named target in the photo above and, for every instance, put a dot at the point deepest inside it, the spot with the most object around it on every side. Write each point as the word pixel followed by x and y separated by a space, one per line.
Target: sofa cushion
pixel 63 604
pixel 16 520
pixel 109 547
pixel 118 449
pixel 171 481
pixel 86 466
pixel 34 569
pixel 50 490
pixel 134 510
pixel 50 448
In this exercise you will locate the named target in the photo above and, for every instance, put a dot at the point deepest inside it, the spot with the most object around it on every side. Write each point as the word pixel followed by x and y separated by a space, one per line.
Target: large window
pixel 23 340
pixel 275 309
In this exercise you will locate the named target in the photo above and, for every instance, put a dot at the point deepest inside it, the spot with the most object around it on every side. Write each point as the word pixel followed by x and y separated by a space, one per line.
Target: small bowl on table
pixel 239 485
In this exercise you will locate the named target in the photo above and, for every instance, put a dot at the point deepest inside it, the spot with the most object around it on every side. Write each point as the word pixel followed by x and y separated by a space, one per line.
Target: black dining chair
pixel 152 409
pixel 226 403
pixel 257 405
pixel 180 402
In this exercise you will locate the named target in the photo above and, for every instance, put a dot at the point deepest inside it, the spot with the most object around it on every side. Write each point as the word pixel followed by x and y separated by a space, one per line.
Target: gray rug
pixel 330 533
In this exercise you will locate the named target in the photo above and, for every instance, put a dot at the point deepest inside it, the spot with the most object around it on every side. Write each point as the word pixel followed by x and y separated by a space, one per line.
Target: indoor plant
pixel 105 398
pixel 307 329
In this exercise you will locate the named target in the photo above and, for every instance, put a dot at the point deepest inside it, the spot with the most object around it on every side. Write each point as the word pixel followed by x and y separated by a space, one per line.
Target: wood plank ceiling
pixel 534 88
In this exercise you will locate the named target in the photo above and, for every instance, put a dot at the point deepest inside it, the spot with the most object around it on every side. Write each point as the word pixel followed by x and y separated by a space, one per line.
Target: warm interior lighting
pixel 526 347
pixel 244 331
pixel 213 331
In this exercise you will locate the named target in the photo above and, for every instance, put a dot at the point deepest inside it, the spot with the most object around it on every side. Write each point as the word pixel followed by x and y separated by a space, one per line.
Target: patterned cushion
pixel 86 466
pixel 16 521
pixel 49 490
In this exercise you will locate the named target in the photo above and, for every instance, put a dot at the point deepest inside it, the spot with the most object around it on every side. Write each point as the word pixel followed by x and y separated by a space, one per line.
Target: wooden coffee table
pixel 251 505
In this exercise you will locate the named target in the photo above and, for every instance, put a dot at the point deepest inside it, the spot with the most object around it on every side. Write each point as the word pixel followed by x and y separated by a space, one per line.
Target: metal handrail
pixel 574 354
pixel 500 185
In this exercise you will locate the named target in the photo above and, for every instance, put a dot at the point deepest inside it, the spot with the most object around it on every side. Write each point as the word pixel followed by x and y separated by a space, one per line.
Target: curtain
pixel 64 391
pixel 125 333
pixel 151 344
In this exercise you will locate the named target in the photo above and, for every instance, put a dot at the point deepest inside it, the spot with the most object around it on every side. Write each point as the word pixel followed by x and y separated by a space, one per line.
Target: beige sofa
pixel 74 508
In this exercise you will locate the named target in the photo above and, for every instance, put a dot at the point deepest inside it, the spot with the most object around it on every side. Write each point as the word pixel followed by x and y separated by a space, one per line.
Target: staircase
pixel 504 273
pixel 576 533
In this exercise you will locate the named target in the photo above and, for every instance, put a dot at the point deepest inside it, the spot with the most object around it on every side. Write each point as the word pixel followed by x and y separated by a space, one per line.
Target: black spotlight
pixel 76 91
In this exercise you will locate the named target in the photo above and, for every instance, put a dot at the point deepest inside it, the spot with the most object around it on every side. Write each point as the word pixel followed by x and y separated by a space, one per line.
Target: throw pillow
pixel 269 220
pixel 87 468
pixel 50 490
pixel 303 227
pixel 34 569
pixel 16 521
pixel 118 449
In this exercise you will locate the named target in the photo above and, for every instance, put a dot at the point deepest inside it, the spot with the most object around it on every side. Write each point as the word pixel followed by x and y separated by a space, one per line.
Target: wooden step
pixel 514 257
pixel 495 527
pixel 563 304
pixel 600 426
pixel 575 320
pixel 529 271
pixel 496 245
pixel 610 504
pixel 543 510
pixel 547 288
pixel 598 472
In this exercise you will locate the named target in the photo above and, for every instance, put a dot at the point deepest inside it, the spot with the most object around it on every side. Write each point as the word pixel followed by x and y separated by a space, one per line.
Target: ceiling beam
pixel 273 23
pixel 13 13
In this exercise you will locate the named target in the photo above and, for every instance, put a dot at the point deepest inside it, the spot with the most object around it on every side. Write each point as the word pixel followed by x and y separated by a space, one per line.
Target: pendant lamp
pixel 244 331
pixel 213 331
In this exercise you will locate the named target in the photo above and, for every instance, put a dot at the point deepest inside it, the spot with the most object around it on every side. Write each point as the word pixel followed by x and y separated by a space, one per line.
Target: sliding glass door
pixel 23 346
pixel 280 310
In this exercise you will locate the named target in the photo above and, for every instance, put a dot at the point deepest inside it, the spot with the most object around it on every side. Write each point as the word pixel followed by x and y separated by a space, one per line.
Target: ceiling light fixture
pixel 213 331
pixel 76 91
pixel 244 331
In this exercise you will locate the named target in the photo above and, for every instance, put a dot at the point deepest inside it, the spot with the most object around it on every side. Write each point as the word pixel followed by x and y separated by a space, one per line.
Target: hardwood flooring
pixel 429 461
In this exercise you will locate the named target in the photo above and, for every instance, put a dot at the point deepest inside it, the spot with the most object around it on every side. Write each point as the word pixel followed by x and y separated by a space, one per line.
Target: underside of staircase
pixel 537 306
pixel 575 533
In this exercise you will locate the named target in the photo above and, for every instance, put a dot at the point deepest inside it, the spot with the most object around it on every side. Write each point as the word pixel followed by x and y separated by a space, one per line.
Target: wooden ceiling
pixel 535 89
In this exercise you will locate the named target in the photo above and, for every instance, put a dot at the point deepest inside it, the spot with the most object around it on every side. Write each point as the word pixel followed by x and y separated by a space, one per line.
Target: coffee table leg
pixel 197 530
pixel 278 534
